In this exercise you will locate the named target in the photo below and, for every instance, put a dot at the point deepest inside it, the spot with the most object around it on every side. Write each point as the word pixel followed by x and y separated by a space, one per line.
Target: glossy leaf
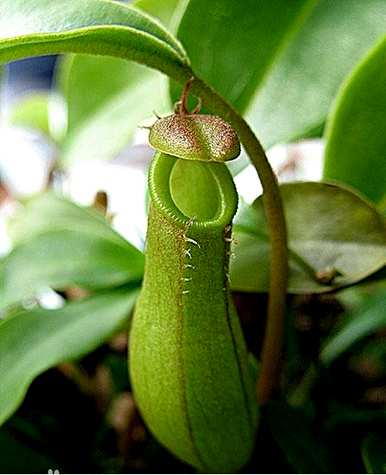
pixel 66 258
pixel 110 129
pixel 90 82
pixel 32 112
pixel 104 115
pixel 374 453
pixel 61 245
pixel 33 341
pixel 161 9
pixel 100 27
pixel 356 137
pixel 369 318
pixel 329 228
pixel 237 44
pixel 283 77
pixel 109 76
pixel 96 27
pixel 50 212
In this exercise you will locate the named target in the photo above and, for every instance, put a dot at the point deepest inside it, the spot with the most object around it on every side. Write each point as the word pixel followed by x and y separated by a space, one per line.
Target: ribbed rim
pixel 159 188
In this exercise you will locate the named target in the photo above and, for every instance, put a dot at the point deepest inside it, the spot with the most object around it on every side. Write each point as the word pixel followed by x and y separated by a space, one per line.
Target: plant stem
pixel 272 346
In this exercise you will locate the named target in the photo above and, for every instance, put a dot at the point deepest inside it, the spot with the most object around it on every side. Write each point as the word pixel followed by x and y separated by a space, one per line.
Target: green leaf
pixel 33 341
pixel 279 62
pixel 60 245
pixel 89 82
pixel 232 44
pixel 374 453
pixel 300 442
pixel 106 132
pixel 66 258
pixel 364 321
pixel 99 27
pixel 32 112
pixel 356 136
pixel 50 212
pixel 329 228
pixel 161 9
pixel 104 114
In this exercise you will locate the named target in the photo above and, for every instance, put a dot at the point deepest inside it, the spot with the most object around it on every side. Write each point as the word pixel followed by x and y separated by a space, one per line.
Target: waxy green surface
pixel 188 360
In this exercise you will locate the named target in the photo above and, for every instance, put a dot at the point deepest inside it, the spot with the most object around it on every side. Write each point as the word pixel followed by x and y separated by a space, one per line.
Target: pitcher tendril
pixel 181 106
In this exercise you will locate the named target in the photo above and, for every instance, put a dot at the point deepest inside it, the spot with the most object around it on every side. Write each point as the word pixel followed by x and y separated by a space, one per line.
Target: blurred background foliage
pixel 310 78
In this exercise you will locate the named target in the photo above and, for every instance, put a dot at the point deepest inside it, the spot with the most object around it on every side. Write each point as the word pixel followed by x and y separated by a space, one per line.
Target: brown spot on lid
pixel 195 137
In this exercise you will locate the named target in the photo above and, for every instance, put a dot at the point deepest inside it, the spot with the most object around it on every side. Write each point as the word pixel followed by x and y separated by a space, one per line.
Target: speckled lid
pixel 195 137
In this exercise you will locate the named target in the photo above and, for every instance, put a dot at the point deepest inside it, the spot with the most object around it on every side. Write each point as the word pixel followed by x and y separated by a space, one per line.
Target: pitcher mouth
pixel 200 194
